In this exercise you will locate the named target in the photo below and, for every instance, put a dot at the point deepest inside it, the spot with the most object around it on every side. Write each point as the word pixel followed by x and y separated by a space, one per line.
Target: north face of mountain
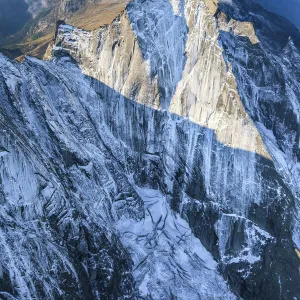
pixel 155 157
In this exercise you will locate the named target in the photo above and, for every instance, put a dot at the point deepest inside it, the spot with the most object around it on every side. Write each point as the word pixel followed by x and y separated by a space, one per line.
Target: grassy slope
pixel 96 15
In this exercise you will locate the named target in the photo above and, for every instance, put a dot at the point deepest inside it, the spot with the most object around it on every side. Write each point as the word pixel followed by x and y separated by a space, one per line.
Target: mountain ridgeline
pixel 154 157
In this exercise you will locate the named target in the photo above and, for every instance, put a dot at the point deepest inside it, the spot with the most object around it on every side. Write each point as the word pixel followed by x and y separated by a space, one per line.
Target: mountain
pixel 12 10
pixel 37 19
pixel 288 9
pixel 156 157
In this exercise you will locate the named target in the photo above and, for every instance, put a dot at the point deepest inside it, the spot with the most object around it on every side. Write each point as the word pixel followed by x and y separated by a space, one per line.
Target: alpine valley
pixel 153 156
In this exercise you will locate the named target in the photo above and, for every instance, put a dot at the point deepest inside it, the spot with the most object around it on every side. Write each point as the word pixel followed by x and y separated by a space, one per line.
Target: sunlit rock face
pixel 169 170
pixel 268 82
pixel 207 93
pixel 148 56
pixel 140 55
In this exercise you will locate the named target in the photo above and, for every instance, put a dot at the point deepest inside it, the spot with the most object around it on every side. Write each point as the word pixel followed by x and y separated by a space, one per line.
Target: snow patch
pixel 167 257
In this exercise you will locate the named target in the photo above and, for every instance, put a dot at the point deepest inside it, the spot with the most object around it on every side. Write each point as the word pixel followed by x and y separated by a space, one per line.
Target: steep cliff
pixel 69 190
pixel 168 171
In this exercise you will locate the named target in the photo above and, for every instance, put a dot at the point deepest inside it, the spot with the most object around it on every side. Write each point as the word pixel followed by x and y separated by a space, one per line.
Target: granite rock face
pixel 154 158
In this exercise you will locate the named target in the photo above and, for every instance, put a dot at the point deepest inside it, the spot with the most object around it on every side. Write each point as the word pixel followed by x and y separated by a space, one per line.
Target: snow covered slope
pixel 168 170
pixel 67 193
pixel 57 240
